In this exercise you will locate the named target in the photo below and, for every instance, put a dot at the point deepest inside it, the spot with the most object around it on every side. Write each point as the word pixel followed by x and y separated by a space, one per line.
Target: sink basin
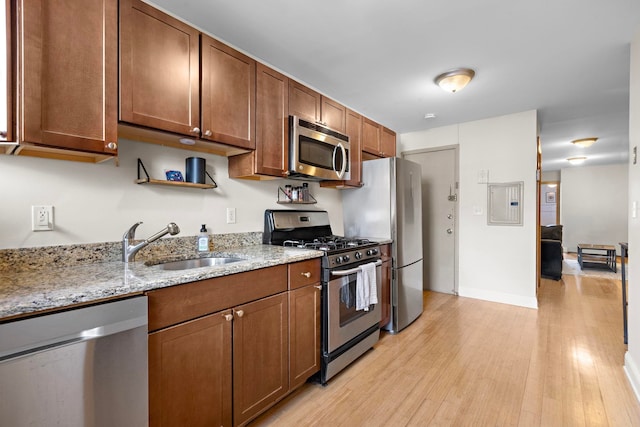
pixel 198 262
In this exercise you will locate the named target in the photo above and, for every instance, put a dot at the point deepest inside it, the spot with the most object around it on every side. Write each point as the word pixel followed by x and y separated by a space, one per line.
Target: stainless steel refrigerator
pixel 389 206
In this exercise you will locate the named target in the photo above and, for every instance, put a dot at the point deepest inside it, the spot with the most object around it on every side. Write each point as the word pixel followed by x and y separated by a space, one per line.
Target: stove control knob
pixel 338 260
pixel 358 255
pixel 373 251
pixel 346 258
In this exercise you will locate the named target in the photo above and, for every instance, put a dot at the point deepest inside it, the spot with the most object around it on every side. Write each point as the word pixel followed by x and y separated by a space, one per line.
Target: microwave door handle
pixel 344 161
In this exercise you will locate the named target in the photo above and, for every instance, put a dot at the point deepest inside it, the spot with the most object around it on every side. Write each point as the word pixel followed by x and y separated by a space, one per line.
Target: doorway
pixel 549 203
pixel 439 213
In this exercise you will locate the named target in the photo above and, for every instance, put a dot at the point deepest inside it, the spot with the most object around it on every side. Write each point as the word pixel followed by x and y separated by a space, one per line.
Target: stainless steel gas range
pixel 347 333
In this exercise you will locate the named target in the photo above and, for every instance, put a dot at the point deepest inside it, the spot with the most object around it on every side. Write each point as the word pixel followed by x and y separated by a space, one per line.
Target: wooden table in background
pixel 597 256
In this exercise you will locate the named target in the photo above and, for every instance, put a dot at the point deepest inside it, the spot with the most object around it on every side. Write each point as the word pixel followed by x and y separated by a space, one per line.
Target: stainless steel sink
pixel 199 262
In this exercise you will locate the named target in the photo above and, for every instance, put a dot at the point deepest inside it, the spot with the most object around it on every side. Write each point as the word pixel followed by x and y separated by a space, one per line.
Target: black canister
pixel 195 168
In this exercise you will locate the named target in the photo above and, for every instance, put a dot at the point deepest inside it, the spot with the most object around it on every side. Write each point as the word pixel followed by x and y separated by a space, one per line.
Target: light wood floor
pixel 467 362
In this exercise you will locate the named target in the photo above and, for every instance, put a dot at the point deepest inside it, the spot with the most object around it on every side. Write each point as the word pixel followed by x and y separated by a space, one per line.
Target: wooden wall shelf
pixel 152 181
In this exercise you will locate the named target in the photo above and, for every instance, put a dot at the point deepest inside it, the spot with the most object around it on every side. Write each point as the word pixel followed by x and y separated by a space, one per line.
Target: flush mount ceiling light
pixel 455 80
pixel 585 142
pixel 576 160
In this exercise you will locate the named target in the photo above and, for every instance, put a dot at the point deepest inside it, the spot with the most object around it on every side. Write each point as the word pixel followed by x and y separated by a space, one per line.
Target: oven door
pixel 344 322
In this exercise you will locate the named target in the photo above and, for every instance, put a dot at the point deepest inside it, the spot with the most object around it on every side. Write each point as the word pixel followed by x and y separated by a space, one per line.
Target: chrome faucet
pixel 129 251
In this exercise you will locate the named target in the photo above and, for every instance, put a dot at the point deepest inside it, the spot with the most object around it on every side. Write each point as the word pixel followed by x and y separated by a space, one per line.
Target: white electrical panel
pixel 504 203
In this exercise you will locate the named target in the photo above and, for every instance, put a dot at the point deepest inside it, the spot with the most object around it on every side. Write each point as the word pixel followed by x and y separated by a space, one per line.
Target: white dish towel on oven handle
pixel 366 288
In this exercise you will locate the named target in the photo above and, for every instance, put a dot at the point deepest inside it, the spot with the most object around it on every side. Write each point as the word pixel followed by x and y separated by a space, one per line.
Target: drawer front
pixel 176 304
pixel 304 273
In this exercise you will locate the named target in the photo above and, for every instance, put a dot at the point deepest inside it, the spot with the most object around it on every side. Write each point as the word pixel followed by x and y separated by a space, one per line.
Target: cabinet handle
pixel 306 274
pixel 112 145
pixel 195 130
pixel 318 287
pixel 228 317
pixel 207 132
pixel 240 313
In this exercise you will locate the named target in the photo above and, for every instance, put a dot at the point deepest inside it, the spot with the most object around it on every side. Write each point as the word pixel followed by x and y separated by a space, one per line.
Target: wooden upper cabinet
pixel 377 139
pixel 354 131
pixel 68 71
pixel 370 136
pixel 271 156
pixel 333 115
pixel 388 143
pixel 310 105
pixel 159 70
pixel 228 95
pixel 304 102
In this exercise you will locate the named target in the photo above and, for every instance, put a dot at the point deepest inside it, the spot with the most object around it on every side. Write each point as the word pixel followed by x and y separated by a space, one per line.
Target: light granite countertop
pixel 50 288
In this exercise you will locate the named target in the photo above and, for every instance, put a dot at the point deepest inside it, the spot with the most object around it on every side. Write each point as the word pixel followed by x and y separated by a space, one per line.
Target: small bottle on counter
pixel 295 194
pixel 305 191
pixel 203 239
pixel 287 191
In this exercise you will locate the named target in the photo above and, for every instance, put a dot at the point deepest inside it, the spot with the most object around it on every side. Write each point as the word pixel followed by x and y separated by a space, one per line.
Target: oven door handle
pixel 351 270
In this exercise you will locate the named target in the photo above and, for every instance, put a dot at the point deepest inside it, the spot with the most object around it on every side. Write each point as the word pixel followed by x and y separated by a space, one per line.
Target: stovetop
pixel 329 243
pixel 311 230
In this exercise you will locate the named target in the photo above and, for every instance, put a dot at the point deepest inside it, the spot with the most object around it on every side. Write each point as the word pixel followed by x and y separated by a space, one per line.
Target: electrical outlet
pixel 41 218
pixel 231 215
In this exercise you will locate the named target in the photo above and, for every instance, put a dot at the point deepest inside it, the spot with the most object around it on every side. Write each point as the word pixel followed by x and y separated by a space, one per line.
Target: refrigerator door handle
pixel 407 265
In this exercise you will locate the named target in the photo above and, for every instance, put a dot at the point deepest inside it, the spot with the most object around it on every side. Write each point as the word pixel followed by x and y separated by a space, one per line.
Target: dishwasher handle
pixel 35 335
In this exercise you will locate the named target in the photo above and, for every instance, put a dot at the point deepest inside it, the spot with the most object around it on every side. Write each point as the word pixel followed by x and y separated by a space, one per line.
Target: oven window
pixel 348 311
pixel 316 153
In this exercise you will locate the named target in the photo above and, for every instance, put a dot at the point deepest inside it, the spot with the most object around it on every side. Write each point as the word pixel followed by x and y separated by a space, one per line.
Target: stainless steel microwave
pixel 317 152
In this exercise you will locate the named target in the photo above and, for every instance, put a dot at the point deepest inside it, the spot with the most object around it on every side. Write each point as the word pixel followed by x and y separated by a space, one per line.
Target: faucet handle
pixel 131 233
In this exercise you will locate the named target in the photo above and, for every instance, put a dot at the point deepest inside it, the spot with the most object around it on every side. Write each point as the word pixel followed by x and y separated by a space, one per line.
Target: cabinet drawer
pixel 180 303
pixel 304 273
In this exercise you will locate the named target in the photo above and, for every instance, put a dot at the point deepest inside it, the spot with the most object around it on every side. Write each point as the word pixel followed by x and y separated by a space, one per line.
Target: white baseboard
pixel 483 294
pixel 631 369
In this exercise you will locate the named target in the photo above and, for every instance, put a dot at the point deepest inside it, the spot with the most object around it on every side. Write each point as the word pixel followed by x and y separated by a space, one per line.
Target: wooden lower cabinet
pixel 190 373
pixel 304 334
pixel 260 356
pixel 210 365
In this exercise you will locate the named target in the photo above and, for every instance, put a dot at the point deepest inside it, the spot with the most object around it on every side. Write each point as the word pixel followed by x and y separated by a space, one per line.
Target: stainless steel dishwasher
pixel 82 367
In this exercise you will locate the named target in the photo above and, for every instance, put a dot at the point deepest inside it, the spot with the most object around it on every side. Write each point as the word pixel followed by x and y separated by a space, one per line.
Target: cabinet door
pixel 228 94
pixel 388 143
pixel 385 298
pixel 260 362
pixel 304 102
pixel 334 115
pixel 68 65
pixel 7 108
pixel 159 70
pixel 190 373
pixel 354 130
pixel 272 122
pixel 304 334
pixel 370 136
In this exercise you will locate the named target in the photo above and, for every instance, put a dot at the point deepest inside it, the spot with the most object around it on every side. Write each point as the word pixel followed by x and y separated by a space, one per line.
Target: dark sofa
pixel 551 251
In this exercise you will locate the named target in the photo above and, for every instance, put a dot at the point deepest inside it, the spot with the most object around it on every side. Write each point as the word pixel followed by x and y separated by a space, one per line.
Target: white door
pixel 439 210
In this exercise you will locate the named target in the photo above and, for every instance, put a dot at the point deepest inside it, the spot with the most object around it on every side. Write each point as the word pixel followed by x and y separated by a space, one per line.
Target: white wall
pixel 632 357
pixel 594 205
pixel 495 263
pixel 98 203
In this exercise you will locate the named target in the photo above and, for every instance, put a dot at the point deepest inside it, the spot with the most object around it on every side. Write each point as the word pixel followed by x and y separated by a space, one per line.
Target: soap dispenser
pixel 203 239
